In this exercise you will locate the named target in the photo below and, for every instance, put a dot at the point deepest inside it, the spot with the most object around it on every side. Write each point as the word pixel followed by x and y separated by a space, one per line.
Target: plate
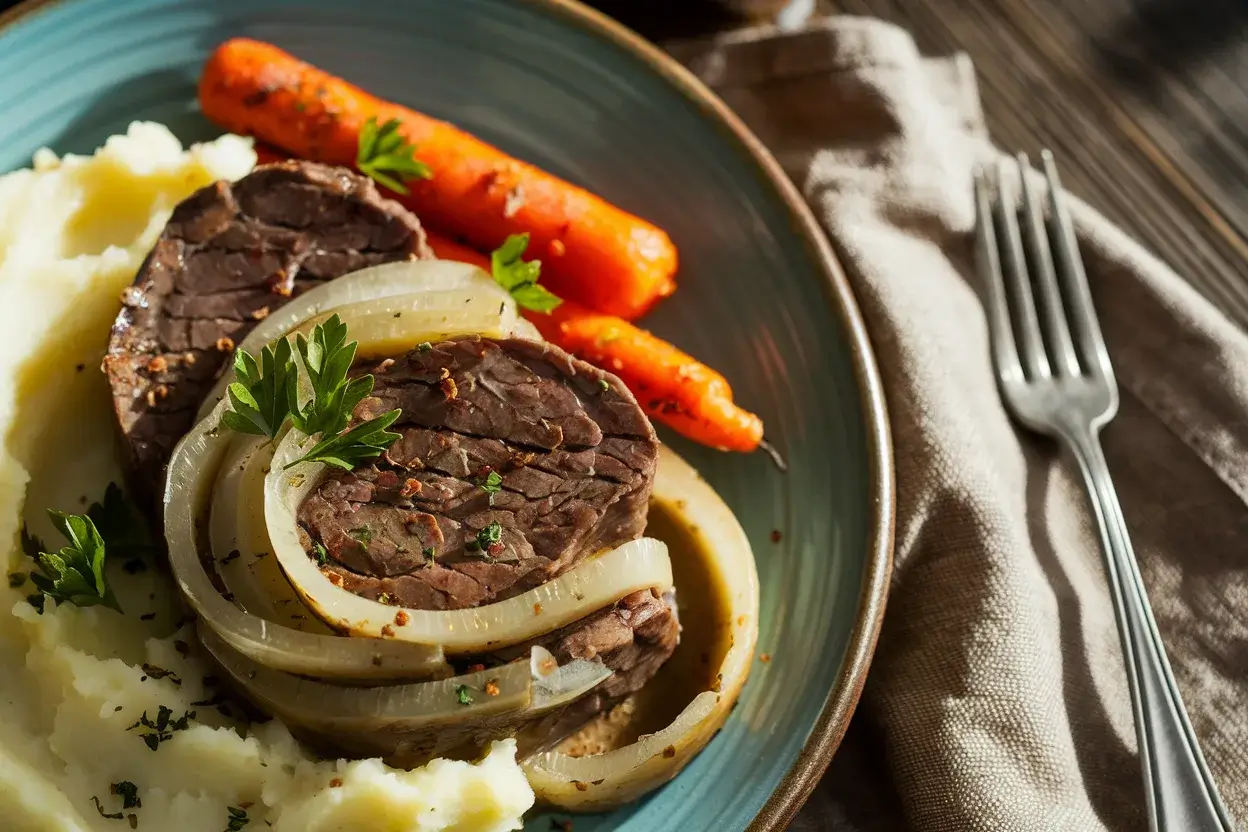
pixel 761 296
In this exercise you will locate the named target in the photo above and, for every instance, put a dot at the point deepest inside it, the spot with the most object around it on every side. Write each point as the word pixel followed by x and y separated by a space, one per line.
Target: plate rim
pixel 839 705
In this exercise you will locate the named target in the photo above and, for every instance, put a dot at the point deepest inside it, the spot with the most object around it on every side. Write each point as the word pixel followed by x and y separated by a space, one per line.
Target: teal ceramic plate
pixel 761 296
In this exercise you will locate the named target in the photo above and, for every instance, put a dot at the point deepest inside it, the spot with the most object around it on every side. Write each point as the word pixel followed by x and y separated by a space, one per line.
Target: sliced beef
pixel 574 455
pixel 230 255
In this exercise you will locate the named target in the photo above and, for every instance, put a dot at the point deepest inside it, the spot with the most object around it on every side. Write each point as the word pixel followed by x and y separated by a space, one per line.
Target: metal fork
pixel 1055 377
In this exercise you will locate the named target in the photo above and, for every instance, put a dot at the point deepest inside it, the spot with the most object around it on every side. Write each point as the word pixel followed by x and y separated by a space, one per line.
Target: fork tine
pixel 1014 269
pixel 1062 356
pixel 1084 324
pixel 1000 330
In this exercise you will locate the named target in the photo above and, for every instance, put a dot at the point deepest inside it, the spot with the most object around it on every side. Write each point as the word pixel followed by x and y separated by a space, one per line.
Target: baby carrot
pixel 592 252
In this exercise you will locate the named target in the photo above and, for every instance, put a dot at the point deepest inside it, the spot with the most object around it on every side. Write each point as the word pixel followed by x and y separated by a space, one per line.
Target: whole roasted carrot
pixel 594 253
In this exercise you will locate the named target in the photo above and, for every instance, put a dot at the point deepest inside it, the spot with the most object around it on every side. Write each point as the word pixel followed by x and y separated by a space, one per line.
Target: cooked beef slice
pixel 230 255
pixel 575 456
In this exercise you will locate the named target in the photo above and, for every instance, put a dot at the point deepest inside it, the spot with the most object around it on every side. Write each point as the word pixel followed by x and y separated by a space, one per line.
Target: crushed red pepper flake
pixel 669 752
pixel 260 314
pixel 537 609
pixel 387 631
pixel 336 783
pixel 776 535
pixel 335 579
pixel 401 618
pixel 765 658
pixel 158 364
pixel 491 688
pixel 225 343
pixel 410 487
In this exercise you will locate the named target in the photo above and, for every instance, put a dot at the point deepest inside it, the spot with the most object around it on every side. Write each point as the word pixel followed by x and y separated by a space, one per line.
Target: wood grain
pixel 1144 101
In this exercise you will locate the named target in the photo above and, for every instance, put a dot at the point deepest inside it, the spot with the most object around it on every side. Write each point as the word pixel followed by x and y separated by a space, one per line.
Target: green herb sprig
pixel 385 156
pixel 327 358
pixel 519 276
pixel 362 443
pixel 75 574
pixel 265 393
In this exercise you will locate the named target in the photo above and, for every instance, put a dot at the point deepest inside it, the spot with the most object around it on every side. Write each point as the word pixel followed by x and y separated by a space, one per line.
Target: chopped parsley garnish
pixel 492 484
pixel 519 277
pixel 157 672
pixel 488 541
pixel 129 794
pixel 464 694
pixel 320 553
pixel 362 534
pixel 424 346
pixel 385 156
pixel 162 728
pixel 264 393
pixel 75 574
pixel 238 819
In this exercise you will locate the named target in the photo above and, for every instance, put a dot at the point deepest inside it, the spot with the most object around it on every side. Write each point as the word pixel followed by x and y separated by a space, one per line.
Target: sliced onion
pixel 597 782
pixel 241 551
pixel 592 585
pixel 412 277
pixel 192 473
pixel 408 724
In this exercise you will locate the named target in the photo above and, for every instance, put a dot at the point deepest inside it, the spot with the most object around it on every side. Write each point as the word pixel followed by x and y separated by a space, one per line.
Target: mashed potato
pixel 73 232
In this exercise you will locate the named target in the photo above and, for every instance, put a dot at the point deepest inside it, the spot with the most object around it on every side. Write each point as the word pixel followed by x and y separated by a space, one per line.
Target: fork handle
pixel 1179 792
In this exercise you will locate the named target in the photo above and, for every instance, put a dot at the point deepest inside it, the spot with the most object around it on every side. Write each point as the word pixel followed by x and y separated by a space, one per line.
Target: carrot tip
pixel 770 449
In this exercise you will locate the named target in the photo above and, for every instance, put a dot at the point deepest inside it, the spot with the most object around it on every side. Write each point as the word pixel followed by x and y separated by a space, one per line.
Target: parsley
pixel 383 151
pixel 163 728
pixel 519 277
pixel 129 794
pixel 424 346
pixel 362 534
pixel 238 819
pixel 488 538
pixel 384 598
pixel 327 357
pixel 265 393
pixel 157 672
pixel 492 484
pixel 123 527
pixel 464 695
pixel 75 573
pixel 363 442
pixel 320 553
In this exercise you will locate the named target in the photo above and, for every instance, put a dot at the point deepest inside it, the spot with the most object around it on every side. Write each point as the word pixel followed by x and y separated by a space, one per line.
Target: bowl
pixel 761 298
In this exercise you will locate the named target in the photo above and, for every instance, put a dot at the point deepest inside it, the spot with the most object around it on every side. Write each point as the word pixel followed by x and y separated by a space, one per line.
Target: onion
pixel 590 586
pixel 192 472
pixel 240 544
pixel 601 781
pixel 408 724
pixel 411 277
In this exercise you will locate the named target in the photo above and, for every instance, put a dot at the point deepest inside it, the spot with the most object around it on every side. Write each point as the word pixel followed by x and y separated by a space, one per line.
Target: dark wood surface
pixel 1144 101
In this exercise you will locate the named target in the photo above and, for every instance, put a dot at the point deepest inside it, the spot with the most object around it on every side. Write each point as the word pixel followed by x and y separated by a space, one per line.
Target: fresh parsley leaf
pixel 162 728
pixel 238 819
pixel 489 540
pixel 363 442
pixel 75 573
pixel 492 484
pixel 519 276
pixel 464 695
pixel 387 157
pixel 320 553
pixel 264 394
pixel 125 531
pixel 129 794
pixel 327 358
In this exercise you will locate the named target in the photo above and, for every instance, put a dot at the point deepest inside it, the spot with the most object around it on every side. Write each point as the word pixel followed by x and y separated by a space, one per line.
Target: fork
pixel 1055 378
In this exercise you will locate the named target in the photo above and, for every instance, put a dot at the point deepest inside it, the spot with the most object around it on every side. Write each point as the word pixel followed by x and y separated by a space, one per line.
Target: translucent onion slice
pixel 241 552
pixel 594 584
pixel 408 724
pixel 192 474
pixel 598 782
pixel 413 277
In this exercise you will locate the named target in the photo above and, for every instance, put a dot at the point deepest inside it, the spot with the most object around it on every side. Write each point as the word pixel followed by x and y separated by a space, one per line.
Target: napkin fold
pixel 997 699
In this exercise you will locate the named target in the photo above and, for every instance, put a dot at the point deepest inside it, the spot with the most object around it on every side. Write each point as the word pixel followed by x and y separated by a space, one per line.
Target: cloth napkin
pixel 997 699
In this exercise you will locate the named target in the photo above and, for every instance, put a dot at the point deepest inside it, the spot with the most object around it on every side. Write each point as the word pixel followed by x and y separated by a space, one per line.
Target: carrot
pixel 444 248
pixel 593 252
pixel 671 386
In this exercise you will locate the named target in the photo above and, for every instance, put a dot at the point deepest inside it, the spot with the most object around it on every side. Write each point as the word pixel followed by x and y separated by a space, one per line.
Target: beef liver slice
pixel 231 254
pixel 575 454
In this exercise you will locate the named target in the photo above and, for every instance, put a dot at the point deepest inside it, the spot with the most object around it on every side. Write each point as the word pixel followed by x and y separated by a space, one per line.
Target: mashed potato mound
pixel 73 232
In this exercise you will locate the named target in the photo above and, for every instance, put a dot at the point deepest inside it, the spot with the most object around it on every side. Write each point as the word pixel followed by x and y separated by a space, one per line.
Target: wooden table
pixel 1144 101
